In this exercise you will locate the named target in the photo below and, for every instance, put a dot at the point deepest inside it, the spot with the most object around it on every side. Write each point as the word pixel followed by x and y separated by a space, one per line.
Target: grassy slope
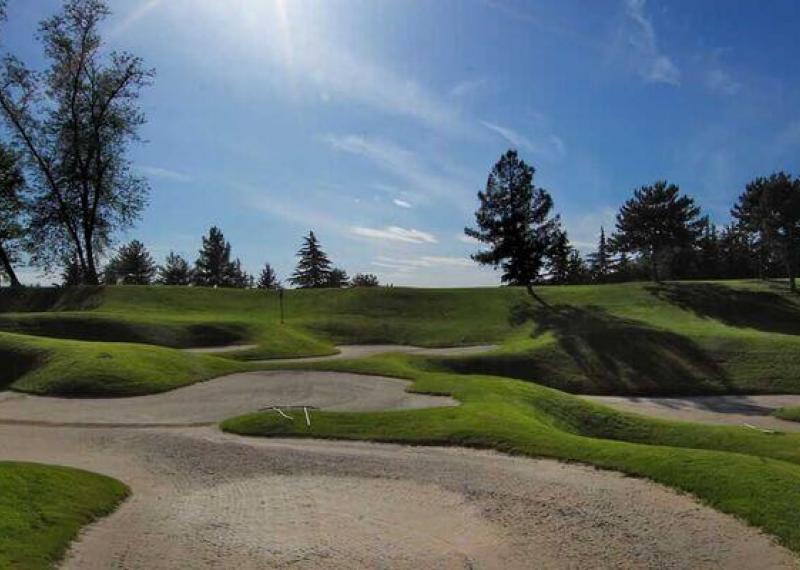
pixel 687 338
pixel 74 368
pixel 791 413
pixel 42 508
pixel 745 473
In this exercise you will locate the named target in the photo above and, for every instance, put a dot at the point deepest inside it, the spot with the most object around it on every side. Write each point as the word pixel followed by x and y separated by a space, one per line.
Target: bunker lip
pixel 205 499
pixel 224 397
pixel 743 410
pixel 347 351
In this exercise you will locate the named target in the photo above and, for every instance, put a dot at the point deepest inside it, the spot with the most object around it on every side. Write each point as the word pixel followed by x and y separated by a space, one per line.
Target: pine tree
pixel 514 222
pixel 314 266
pixel 337 278
pixel 364 280
pixel 656 223
pixel 237 277
pixel 132 265
pixel 577 272
pixel 558 256
pixel 175 271
pixel 71 275
pixel 268 279
pixel 600 261
pixel 213 267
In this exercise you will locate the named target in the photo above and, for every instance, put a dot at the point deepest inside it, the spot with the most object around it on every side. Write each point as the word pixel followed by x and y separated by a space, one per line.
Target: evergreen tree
pixel 314 267
pixel 558 255
pixel 708 254
pixel 11 210
pixel 364 280
pixel 71 275
pixel 514 222
pixel 268 279
pixel 600 260
pixel 213 267
pixel 175 271
pixel 237 277
pixel 338 278
pixel 577 272
pixel 656 223
pixel 770 207
pixel 132 265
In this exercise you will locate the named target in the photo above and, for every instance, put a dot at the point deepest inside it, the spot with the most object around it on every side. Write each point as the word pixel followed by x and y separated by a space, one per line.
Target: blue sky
pixel 375 122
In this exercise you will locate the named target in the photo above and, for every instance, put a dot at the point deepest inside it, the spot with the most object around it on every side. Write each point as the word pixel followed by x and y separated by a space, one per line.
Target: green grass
pixel 748 474
pixel 43 507
pixel 637 338
pixel 75 368
pixel 791 413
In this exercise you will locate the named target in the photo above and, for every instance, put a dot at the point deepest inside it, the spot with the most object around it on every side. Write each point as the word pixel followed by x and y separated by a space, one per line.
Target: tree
pixel 558 256
pixel 268 279
pixel 600 260
pixel 132 265
pixel 364 280
pixel 71 272
pixel 770 207
pixel 656 223
pixel 213 267
pixel 175 271
pixel 314 267
pixel 708 253
pixel 577 272
pixel 337 279
pixel 74 123
pixel 514 221
pixel 11 210
pixel 237 277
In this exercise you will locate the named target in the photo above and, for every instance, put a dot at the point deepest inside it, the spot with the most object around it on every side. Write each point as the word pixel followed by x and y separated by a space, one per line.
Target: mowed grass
pixel 42 508
pixel 57 367
pixel 791 413
pixel 751 475
pixel 637 338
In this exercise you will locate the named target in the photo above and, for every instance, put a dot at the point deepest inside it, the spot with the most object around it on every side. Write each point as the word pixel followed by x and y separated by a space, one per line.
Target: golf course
pixel 191 399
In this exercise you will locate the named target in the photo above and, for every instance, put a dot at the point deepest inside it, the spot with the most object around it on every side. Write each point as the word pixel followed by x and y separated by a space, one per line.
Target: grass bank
pixel 791 413
pixel 42 509
pixel 748 474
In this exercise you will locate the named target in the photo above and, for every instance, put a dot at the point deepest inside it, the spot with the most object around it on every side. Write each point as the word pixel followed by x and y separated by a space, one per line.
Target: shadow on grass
pixel 38 299
pixel 595 352
pixel 761 310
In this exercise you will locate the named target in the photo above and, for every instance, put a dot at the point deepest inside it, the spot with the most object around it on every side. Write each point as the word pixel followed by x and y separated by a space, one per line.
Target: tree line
pixel 133 264
pixel 659 234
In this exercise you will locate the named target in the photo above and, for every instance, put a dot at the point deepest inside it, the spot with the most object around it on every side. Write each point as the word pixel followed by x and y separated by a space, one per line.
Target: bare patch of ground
pixel 204 499
pixel 221 398
pixel 727 410
pixel 364 350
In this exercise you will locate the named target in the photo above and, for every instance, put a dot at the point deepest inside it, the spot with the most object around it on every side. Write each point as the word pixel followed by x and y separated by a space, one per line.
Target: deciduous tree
pixel 364 280
pixel 11 212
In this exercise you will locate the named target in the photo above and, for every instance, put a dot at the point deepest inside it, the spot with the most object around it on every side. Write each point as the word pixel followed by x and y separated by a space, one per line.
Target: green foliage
pixel 214 267
pixel 365 280
pixel 513 221
pixel 658 222
pixel 42 509
pixel 12 207
pixel 268 279
pixel 790 413
pixel 600 264
pixel 175 271
pixel 337 279
pixel 132 265
pixel 314 268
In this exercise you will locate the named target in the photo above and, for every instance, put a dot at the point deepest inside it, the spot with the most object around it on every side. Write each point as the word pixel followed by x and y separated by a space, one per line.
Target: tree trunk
pixel 9 269
pixel 533 294
pixel 90 276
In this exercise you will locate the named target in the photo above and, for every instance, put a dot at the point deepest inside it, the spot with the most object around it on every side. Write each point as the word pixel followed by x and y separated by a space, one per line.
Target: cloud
pixel 720 81
pixel 401 162
pixel 164 173
pixel 408 264
pixel 394 233
pixel 653 65
pixel 401 203
pixel 467 87
pixel 550 146
pixel 464 238
pixel 134 16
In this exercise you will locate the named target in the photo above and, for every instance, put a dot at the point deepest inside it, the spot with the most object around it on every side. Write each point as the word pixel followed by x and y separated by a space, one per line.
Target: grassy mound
pixel 791 413
pixel 74 368
pixel 749 474
pixel 43 507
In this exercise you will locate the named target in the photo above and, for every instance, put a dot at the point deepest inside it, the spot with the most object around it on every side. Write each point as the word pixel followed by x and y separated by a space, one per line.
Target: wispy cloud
pixel 407 264
pixel 401 203
pixel 468 87
pixel 653 65
pixel 165 173
pixel 134 16
pixel 720 81
pixel 422 180
pixel 549 146
pixel 394 233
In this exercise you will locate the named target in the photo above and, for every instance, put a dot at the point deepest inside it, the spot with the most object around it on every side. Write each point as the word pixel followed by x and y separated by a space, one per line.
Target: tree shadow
pixel 614 355
pixel 761 310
